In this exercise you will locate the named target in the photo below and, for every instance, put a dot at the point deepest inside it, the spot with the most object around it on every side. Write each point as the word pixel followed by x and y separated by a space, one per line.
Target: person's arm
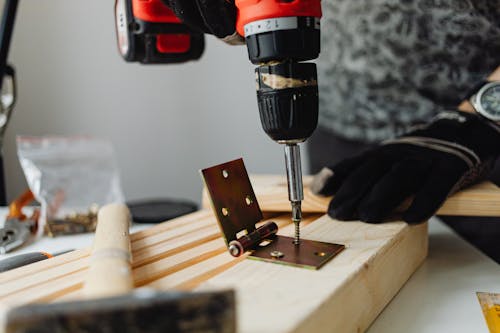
pixel 427 164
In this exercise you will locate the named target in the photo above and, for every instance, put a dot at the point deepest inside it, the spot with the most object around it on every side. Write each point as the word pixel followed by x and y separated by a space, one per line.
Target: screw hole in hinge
pixel 225 211
pixel 277 254
pixel 225 173
pixel 248 200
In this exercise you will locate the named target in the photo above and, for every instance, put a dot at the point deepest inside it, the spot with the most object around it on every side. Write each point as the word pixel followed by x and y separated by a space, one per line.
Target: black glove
pixel 216 17
pixel 430 163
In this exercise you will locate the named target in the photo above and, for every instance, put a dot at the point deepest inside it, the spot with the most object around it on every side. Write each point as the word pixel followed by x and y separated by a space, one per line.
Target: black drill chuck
pixel 287 95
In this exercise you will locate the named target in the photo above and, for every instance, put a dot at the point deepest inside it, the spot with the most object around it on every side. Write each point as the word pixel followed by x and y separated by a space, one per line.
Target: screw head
pixel 277 254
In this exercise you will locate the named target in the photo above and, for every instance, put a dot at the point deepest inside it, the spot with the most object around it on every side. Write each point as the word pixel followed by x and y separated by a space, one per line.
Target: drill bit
pixel 295 188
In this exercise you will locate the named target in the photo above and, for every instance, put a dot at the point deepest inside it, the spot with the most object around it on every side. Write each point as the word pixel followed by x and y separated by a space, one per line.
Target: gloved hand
pixel 430 163
pixel 216 17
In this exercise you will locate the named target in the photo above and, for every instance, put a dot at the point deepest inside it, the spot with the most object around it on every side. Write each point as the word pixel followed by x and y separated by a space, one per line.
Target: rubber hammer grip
pixel 109 270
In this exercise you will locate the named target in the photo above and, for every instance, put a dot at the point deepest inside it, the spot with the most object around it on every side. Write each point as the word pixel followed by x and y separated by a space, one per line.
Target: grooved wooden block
pixel 188 253
pixel 346 295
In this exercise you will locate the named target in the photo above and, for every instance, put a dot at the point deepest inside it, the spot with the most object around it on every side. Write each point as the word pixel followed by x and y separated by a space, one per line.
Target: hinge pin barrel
pixel 253 239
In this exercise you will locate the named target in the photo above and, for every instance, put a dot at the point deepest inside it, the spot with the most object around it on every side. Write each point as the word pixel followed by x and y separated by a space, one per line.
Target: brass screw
pixel 74 222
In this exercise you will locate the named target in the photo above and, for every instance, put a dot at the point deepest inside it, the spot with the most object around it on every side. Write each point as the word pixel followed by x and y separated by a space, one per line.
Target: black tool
pixel 149 32
pixel 159 210
pixel 22 260
pixel 26 259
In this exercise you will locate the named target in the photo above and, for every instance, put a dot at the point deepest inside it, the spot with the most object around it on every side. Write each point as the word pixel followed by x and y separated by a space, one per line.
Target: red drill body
pixel 150 33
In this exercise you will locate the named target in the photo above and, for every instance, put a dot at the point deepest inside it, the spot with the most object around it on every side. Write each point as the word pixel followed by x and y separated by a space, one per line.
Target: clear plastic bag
pixel 70 177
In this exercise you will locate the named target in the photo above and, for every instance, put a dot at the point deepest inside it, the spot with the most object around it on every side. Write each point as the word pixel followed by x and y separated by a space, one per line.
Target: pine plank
pixel 192 276
pixel 140 240
pixel 271 191
pixel 13 287
pixel 47 290
pixel 152 254
pixel 194 219
pixel 188 253
pixel 76 260
pixel 197 272
pixel 193 255
pixel 345 295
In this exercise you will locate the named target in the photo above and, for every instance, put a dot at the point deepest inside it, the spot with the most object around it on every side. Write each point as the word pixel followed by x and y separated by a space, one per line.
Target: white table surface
pixel 439 297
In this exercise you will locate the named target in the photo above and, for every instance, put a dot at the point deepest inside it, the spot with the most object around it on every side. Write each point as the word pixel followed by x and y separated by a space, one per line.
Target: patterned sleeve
pixel 387 65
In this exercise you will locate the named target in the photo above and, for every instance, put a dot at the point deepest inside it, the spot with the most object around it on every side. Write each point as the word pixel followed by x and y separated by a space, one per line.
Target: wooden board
pixel 188 254
pixel 344 296
pixel 479 200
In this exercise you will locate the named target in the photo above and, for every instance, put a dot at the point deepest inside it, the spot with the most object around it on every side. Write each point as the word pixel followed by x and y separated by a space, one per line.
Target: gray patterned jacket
pixel 389 64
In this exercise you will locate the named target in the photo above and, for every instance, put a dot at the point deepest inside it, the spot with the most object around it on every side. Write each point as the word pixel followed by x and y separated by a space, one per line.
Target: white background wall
pixel 165 122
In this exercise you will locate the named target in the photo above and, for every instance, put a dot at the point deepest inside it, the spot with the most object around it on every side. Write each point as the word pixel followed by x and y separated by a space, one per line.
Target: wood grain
pixel 346 295
pixel 148 257
pixel 479 200
pixel 188 253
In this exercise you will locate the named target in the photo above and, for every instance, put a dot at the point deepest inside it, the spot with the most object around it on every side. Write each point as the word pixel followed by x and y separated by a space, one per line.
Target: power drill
pixel 280 35
pixel 149 32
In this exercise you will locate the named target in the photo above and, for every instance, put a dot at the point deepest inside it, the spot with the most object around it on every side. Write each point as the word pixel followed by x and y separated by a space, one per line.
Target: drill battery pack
pixel 150 33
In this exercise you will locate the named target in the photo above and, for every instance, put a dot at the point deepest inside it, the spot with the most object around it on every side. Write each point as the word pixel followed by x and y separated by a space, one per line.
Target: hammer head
pixel 143 311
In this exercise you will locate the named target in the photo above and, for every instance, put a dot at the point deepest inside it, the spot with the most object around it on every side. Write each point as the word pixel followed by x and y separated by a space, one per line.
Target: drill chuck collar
pixel 287 95
pixel 279 39
pixel 287 90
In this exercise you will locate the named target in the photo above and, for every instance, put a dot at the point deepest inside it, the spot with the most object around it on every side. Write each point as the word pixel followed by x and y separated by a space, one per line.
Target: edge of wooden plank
pixel 185 222
pixel 271 191
pixel 368 287
pixel 171 224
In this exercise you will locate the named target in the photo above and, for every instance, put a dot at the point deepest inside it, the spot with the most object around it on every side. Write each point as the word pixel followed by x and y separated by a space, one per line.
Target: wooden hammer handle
pixel 109 270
